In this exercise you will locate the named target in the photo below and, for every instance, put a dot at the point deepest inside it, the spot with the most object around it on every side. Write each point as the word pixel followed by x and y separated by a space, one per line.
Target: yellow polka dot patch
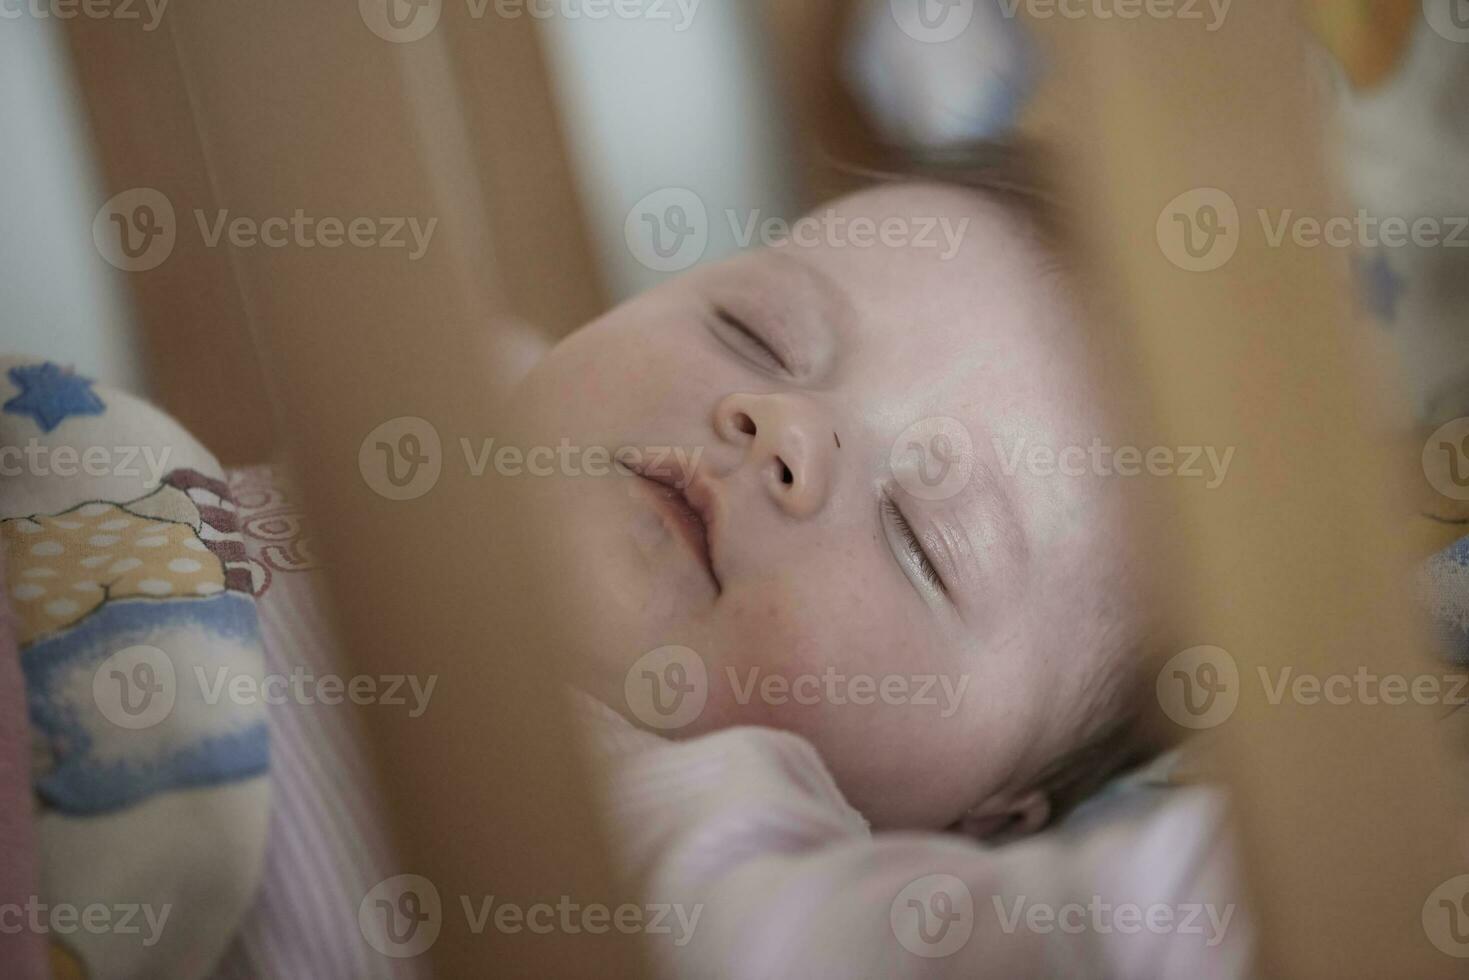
pixel 63 566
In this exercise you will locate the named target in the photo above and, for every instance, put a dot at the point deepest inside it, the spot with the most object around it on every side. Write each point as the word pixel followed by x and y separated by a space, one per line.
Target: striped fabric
pixel 326 848
pixel 22 952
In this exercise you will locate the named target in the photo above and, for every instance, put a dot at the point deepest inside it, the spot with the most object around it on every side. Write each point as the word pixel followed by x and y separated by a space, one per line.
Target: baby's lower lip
pixel 683 521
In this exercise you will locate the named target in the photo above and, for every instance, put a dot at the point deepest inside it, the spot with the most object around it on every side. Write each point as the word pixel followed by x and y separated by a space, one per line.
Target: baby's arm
pixel 771 874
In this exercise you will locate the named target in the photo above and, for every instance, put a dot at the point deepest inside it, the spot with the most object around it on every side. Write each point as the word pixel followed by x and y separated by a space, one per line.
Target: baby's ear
pixel 1001 818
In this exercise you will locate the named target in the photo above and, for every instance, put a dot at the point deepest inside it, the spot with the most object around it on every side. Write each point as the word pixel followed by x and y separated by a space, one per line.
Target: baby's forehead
pixel 911 197
pixel 901 241
pixel 928 272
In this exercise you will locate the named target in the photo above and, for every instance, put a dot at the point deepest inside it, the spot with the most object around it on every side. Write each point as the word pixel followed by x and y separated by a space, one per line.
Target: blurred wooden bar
pixel 288 106
pixel 148 132
pixel 204 368
pixel 1346 811
pixel 804 44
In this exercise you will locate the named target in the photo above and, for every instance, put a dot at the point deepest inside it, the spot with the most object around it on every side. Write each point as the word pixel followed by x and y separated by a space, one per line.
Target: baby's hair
pixel 1014 173
pixel 1127 739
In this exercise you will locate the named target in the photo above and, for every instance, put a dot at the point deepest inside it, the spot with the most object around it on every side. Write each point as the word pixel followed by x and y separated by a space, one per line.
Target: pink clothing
pixel 744 833
pixel 22 951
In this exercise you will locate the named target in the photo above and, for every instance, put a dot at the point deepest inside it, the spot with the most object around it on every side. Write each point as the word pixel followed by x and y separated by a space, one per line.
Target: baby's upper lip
pixel 691 491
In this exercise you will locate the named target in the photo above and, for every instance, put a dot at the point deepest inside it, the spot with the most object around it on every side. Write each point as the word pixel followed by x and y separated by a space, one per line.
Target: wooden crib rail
pixel 294 105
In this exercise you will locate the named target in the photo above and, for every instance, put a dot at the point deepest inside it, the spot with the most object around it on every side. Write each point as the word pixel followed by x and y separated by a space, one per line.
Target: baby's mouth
pixel 685 512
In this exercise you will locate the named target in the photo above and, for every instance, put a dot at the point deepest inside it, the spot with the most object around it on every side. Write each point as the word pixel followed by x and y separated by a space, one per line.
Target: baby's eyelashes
pixel 747 341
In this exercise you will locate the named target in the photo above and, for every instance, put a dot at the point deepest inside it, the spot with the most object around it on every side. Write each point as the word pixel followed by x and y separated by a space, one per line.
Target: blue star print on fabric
pixel 1381 287
pixel 51 394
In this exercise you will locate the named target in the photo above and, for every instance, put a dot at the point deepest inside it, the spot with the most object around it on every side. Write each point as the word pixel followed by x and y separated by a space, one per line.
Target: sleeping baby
pixel 824 591
pixel 826 523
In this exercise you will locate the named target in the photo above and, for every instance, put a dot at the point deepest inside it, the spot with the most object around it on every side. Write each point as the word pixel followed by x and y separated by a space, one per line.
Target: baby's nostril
pixel 744 423
pixel 786 476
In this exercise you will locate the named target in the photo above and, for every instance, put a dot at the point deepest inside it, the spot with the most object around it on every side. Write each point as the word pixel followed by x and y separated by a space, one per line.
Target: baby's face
pixel 879 571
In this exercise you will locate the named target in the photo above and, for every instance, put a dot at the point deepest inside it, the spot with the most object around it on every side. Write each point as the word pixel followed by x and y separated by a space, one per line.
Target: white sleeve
pixel 759 869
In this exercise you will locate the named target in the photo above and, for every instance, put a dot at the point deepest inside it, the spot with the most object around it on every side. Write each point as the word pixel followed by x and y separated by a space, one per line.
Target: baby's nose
pixel 789 441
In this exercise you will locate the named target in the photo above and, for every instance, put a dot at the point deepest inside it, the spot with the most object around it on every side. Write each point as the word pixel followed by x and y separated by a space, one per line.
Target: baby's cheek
pixel 808 655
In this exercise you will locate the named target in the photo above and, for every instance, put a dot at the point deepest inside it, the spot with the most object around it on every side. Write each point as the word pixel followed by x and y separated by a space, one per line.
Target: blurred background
pixel 569 121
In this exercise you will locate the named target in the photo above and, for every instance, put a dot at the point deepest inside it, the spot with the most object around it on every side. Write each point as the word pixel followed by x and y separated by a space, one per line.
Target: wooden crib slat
pixel 301 106
pixel 1297 561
